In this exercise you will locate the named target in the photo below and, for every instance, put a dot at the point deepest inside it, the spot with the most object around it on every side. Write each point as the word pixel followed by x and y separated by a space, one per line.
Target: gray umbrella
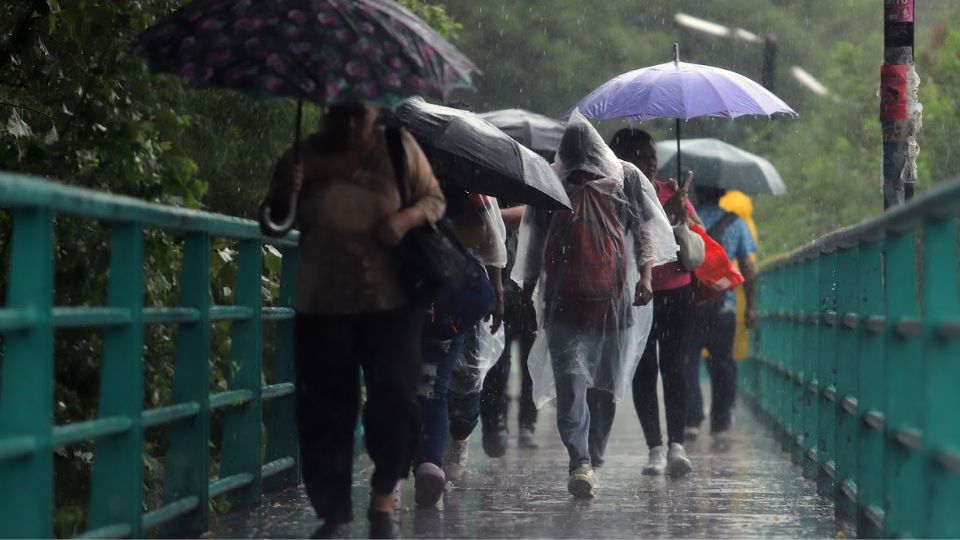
pixel 718 164
pixel 482 159
pixel 535 131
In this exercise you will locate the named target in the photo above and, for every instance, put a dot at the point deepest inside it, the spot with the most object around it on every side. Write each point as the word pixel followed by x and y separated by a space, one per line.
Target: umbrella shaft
pixel 678 151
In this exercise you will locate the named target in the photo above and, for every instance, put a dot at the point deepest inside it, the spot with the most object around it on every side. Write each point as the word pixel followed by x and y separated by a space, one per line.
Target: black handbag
pixel 432 258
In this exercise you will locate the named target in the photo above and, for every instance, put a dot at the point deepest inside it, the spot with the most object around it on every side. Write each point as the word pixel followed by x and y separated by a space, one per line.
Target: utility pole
pixel 900 116
pixel 768 65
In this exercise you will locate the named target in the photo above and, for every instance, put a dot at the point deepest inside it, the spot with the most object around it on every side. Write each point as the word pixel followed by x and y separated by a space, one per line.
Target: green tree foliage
pixel 544 55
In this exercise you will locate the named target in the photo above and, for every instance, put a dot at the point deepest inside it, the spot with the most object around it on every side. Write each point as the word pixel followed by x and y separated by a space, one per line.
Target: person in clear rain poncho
pixel 586 279
pixel 455 360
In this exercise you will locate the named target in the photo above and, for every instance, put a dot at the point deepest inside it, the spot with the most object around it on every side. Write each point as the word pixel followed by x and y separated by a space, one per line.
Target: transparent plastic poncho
pixel 481 350
pixel 484 234
pixel 585 266
pixel 493 250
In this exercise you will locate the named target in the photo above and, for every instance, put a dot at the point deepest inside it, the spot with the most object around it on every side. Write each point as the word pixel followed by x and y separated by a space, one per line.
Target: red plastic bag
pixel 717 274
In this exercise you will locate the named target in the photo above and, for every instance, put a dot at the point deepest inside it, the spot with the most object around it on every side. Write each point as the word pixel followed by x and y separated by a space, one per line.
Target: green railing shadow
pixel 28 436
pixel 856 364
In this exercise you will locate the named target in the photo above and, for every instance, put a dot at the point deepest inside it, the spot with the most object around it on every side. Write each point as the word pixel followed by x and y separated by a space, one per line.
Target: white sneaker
pixel 656 462
pixel 455 461
pixel 677 462
pixel 584 482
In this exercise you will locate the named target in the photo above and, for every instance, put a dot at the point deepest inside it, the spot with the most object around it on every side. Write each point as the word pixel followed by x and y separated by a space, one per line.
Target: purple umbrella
pixel 682 91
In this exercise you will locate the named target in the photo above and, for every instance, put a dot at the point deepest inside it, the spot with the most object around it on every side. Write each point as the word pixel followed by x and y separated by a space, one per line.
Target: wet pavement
pixel 741 486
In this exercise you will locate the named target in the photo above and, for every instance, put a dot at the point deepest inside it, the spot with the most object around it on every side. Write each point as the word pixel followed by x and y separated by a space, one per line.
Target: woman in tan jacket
pixel 352 311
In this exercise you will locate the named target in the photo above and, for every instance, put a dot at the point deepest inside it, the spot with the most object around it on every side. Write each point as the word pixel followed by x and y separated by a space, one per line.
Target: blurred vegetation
pixel 544 55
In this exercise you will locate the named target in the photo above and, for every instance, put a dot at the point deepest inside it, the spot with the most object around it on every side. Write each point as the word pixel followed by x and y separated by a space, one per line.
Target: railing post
pixel 281 413
pixel 827 373
pixel 797 389
pixel 187 470
pixel 811 401
pixel 906 497
pixel 784 389
pixel 117 478
pixel 871 390
pixel 941 350
pixel 26 395
pixel 241 432
pixel 768 341
pixel 848 368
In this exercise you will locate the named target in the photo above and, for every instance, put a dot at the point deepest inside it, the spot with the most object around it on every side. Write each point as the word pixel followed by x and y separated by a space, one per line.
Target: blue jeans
pixel 439 359
pixel 584 415
pixel 714 329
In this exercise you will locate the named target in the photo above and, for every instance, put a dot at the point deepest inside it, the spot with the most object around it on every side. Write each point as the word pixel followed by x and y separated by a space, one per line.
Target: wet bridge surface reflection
pixel 741 486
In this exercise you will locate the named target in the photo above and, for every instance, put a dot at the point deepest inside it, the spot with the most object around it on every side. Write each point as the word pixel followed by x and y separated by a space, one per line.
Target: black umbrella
pixel 482 159
pixel 537 132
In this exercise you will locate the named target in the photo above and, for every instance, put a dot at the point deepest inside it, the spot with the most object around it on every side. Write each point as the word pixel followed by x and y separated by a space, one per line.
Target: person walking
pixel 673 317
pixel 591 270
pixel 740 204
pixel 715 324
pixel 456 359
pixel 494 401
pixel 352 311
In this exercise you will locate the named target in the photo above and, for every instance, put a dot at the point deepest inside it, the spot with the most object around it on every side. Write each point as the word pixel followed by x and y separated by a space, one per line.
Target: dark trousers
pixel 330 351
pixel 494 402
pixel 439 360
pixel 673 320
pixel 715 330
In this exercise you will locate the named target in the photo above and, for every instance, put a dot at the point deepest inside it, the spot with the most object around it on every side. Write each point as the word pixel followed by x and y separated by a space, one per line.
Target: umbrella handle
pixel 279 229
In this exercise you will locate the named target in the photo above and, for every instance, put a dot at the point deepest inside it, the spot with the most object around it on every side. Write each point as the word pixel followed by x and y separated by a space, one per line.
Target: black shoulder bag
pixel 432 258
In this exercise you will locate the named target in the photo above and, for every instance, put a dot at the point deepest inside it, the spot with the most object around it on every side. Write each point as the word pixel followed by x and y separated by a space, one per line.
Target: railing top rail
pixel 941 201
pixel 22 191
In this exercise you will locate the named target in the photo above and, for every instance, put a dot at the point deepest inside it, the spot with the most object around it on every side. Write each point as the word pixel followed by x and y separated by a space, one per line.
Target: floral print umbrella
pixel 323 51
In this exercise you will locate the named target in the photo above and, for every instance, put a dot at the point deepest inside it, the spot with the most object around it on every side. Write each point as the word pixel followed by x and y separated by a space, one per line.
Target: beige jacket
pixel 343 267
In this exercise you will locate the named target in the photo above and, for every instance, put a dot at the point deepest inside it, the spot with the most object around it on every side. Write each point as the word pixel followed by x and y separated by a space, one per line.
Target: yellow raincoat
pixel 741 205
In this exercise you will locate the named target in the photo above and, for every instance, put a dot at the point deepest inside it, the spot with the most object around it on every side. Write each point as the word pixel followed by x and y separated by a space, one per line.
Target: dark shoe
pixel 332 529
pixel 495 441
pixel 383 525
pixel 525 439
pixel 718 427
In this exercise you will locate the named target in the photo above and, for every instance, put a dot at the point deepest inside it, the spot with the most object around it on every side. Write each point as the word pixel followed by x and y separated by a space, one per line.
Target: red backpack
pixel 585 262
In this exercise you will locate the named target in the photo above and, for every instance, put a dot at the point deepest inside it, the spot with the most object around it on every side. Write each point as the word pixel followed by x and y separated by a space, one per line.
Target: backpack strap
pixel 716 231
pixel 398 158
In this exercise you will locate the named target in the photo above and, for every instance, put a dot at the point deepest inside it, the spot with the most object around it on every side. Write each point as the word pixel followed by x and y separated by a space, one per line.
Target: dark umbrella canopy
pixel 323 51
pixel 718 164
pixel 535 131
pixel 477 155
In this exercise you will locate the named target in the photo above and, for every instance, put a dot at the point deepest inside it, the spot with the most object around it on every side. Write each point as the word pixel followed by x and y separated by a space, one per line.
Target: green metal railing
pixel 28 436
pixel 857 366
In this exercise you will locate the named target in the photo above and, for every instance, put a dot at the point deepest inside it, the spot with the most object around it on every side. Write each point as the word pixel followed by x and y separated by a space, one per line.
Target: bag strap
pixel 398 160
pixel 716 231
